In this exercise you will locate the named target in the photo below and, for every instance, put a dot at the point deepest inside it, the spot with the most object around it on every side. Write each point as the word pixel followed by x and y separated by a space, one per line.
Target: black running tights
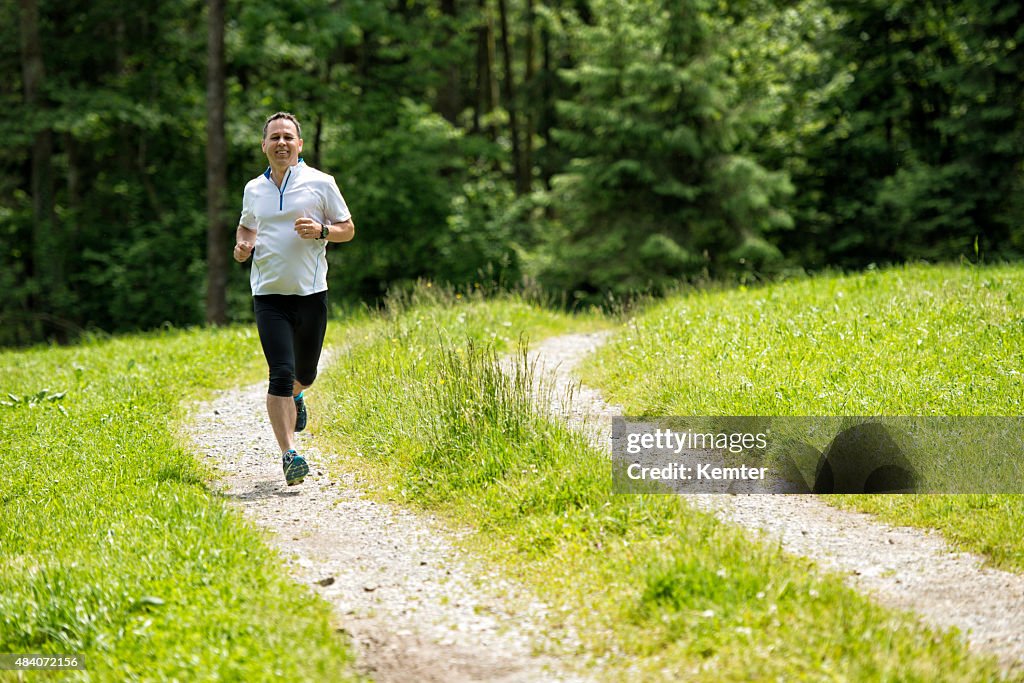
pixel 292 334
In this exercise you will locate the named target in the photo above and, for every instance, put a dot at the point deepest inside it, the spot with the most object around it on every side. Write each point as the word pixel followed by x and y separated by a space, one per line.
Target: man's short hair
pixel 282 115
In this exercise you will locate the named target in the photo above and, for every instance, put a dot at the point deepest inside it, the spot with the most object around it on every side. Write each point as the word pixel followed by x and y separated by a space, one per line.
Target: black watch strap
pixel 324 231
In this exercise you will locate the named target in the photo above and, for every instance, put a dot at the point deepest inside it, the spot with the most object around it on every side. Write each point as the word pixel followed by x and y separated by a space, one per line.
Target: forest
pixel 593 149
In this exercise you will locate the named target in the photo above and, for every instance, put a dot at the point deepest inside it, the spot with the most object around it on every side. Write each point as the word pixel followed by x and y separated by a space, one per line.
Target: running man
pixel 289 214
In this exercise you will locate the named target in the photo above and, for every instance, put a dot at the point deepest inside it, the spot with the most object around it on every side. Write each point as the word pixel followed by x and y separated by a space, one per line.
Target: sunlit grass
pixel 912 341
pixel 111 544
pixel 121 553
pixel 421 409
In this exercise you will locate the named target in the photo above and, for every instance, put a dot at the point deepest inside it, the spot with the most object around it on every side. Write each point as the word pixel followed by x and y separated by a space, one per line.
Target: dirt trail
pixel 415 607
pixel 899 566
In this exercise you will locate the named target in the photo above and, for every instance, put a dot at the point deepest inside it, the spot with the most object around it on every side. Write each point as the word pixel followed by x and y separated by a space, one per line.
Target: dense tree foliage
pixel 902 133
pixel 659 184
pixel 593 145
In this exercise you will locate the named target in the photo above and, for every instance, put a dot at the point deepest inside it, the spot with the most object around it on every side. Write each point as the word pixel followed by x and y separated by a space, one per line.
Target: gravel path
pixel 415 607
pixel 899 566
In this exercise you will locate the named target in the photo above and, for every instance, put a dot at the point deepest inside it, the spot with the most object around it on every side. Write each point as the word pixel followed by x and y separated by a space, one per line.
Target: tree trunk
pixel 216 169
pixel 486 87
pixel 531 90
pixel 449 95
pixel 521 181
pixel 546 107
pixel 47 266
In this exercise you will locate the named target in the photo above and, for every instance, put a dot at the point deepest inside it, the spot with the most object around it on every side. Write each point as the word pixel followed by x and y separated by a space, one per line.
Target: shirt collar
pixel 298 164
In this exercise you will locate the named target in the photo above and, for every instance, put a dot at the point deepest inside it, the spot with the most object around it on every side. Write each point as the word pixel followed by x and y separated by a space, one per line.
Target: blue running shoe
pixel 301 414
pixel 295 468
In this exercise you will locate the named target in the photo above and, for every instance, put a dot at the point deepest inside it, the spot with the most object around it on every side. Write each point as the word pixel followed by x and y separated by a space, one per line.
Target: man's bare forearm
pixel 341 232
pixel 245 242
pixel 244 234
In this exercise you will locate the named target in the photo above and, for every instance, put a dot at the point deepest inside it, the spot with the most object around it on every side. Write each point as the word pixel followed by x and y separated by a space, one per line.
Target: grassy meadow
pixel 112 544
pixel 423 411
pixel 911 341
pixel 121 551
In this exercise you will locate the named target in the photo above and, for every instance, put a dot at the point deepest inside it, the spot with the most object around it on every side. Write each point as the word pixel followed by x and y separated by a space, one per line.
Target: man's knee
pixel 282 379
pixel 306 379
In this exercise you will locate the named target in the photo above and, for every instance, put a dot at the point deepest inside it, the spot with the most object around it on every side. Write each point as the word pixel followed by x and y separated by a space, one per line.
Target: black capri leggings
pixel 291 331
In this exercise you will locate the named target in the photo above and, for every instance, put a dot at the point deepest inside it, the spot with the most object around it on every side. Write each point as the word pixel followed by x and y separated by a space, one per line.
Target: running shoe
pixel 301 414
pixel 295 468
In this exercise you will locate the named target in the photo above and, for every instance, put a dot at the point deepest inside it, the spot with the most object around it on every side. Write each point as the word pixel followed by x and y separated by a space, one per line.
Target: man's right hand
pixel 243 250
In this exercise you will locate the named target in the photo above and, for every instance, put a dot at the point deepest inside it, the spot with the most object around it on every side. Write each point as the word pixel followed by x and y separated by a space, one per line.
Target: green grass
pixel 113 547
pixel 422 412
pixel 120 552
pixel 921 340
pixel 913 341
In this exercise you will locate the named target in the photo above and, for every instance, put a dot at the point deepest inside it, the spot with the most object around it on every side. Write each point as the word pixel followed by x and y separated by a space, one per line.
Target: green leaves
pixel 660 188
pixel 901 143
pixel 32 400
pixel 881 131
pixel 147 602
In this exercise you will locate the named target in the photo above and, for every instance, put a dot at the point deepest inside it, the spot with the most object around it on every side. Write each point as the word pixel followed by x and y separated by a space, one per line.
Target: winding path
pixel 899 566
pixel 419 610
pixel 415 608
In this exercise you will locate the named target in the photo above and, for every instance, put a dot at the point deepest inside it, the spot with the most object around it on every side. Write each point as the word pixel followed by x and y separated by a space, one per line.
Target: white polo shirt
pixel 283 262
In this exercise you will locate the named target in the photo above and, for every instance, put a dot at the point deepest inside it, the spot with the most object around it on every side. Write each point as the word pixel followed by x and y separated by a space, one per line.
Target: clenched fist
pixel 243 250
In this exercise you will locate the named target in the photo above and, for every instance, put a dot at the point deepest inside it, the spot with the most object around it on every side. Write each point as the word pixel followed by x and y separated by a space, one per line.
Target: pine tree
pixel 660 187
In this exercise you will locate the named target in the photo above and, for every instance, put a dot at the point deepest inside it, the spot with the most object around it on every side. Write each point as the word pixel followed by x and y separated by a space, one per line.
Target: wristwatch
pixel 324 232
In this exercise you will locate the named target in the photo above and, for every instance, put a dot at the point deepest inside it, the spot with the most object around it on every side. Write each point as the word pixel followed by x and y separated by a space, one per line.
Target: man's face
pixel 282 144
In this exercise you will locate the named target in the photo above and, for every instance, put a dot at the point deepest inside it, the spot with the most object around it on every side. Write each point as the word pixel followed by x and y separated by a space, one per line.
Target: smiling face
pixel 282 144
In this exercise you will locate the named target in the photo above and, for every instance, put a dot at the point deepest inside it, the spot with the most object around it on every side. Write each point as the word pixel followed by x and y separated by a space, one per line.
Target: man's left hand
pixel 307 228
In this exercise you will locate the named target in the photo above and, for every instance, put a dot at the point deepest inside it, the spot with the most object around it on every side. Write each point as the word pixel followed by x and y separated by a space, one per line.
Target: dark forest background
pixel 597 148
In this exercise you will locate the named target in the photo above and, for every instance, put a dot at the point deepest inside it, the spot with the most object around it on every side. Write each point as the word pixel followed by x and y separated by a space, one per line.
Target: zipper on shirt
pixel 280 191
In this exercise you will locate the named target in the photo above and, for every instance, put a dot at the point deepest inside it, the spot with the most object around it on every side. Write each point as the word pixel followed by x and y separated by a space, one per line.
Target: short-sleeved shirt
pixel 283 262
